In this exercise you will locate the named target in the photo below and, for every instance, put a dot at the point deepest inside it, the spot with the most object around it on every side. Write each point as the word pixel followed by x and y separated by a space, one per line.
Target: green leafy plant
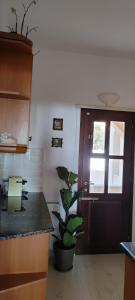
pixel 70 226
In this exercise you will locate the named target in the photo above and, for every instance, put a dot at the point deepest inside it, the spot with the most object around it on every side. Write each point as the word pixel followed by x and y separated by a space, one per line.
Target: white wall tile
pixel 28 165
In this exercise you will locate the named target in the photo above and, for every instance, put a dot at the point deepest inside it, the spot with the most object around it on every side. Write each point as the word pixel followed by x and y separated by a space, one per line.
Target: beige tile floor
pixel 94 277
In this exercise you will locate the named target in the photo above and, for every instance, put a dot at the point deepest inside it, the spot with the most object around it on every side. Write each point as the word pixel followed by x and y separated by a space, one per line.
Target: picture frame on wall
pixel 57 142
pixel 57 124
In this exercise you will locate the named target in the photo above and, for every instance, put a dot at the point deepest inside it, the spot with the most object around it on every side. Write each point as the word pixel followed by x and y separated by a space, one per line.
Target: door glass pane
pixel 97 175
pixel 98 137
pixel 117 134
pixel 115 178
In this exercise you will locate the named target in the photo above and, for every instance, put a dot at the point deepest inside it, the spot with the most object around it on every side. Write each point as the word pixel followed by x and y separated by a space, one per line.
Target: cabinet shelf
pixel 13 95
pixel 13 149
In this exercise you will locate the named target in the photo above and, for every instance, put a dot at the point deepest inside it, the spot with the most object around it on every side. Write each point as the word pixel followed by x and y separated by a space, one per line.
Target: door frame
pixel 82 164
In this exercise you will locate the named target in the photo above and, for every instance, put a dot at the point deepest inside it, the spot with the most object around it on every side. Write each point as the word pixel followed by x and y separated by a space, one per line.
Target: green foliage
pixel 70 178
pixel 69 240
pixel 66 196
pixel 75 197
pixel 74 223
pixel 63 173
pixel 70 227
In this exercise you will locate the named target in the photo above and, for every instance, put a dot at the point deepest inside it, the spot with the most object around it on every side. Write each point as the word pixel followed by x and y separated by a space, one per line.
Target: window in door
pixel 101 159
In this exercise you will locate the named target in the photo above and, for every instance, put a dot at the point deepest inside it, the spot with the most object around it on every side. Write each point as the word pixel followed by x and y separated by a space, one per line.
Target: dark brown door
pixel 106 172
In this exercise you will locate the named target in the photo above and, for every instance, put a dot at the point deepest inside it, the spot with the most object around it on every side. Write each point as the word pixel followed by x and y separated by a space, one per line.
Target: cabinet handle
pixel 93 199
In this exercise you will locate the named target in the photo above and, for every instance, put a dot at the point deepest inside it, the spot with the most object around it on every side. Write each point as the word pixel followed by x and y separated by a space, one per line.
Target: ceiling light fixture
pixel 108 99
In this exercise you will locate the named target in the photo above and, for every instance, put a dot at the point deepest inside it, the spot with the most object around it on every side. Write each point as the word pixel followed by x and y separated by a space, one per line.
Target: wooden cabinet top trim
pixel 16 40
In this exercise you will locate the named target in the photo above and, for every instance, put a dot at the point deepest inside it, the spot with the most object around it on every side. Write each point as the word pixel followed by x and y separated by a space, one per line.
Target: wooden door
pixel 106 172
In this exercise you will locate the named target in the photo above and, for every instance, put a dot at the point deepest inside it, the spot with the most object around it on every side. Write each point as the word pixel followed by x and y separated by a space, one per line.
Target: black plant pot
pixel 63 257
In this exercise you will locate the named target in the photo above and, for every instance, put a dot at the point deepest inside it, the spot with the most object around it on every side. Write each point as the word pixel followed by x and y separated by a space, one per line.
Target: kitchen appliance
pixel 12 194
pixel 15 193
pixel 15 186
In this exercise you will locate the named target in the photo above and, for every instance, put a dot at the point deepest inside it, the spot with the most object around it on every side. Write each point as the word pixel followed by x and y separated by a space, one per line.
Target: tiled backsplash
pixel 29 166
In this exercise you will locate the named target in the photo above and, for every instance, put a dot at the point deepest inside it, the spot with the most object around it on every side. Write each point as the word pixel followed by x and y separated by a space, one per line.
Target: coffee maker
pixel 15 193
pixel 15 186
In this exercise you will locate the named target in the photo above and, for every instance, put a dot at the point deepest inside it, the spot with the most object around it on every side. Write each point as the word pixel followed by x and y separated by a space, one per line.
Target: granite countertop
pixel 32 218
pixel 129 248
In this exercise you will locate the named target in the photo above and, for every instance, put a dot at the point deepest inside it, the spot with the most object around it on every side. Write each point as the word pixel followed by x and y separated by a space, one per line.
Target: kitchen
pixel 62 82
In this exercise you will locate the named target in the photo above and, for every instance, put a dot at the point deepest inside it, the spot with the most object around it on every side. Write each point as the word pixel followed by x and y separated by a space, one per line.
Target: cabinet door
pixel 14 119
pixel 15 73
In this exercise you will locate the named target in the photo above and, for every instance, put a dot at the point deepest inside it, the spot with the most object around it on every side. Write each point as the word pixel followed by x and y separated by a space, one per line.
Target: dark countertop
pixel 33 218
pixel 129 248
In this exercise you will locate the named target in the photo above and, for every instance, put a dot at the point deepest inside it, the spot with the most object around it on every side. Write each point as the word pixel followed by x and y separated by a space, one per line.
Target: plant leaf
pixel 69 240
pixel 57 215
pixel 63 173
pixel 74 223
pixel 78 233
pixel 55 237
pixel 72 178
pixel 76 196
pixel 62 229
pixel 66 196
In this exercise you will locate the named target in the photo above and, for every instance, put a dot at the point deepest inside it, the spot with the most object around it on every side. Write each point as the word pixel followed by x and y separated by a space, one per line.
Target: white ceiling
pixel 87 26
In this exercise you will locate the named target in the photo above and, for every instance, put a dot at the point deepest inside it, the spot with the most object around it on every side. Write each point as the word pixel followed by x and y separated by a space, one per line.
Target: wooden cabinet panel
pixel 15 74
pixel 34 290
pixel 24 255
pixel 13 280
pixel 15 68
pixel 129 285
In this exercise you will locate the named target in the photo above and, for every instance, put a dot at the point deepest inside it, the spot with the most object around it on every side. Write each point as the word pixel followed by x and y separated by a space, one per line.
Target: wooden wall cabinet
pixel 15 89
pixel 15 66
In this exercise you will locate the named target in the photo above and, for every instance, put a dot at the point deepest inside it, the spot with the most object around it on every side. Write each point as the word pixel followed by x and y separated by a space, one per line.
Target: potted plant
pixel 22 30
pixel 70 225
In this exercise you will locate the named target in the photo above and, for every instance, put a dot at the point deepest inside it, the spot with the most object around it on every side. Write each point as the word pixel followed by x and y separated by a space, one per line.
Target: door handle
pixel 93 199
pixel 89 199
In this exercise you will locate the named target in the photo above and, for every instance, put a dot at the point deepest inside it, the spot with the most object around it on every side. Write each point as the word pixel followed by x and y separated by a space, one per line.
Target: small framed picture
pixel 57 124
pixel 57 142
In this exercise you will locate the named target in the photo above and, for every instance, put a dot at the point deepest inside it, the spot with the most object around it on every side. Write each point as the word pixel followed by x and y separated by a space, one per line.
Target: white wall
pixel 3 15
